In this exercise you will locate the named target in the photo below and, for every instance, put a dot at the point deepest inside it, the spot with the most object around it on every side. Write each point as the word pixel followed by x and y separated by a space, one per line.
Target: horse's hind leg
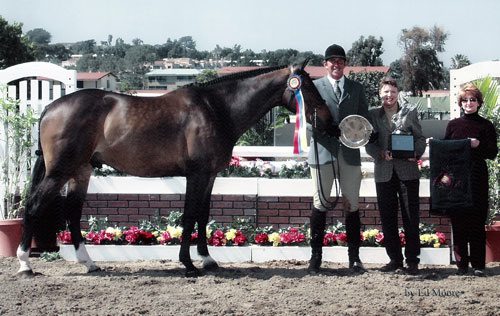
pixel 39 208
pixel 77 190
pixel 203 215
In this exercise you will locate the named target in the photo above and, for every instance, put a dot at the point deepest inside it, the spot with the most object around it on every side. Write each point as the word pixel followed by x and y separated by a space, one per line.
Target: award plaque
pixel 402 146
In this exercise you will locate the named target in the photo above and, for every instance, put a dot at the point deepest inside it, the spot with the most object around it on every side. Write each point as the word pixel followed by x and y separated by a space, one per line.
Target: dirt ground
pixel 275 288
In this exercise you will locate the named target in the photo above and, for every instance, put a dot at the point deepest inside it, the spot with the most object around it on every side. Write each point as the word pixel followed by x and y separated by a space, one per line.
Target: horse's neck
pixel 254 98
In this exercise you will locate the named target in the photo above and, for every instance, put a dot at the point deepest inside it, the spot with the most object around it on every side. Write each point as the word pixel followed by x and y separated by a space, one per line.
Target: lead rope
pixel 318 178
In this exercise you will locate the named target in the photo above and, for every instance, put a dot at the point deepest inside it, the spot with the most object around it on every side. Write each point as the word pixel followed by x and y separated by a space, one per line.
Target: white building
pixel 170 79
pixel 97 80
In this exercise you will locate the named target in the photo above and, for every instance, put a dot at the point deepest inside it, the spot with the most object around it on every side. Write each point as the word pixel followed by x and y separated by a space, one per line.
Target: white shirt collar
pixel 333 82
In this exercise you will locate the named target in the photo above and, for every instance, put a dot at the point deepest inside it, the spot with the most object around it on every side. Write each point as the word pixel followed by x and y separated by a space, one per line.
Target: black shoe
pixel 392 266
pixel 356 267
pixel 479 273
pixel 412 269
pixel 314 264
pixel 462 271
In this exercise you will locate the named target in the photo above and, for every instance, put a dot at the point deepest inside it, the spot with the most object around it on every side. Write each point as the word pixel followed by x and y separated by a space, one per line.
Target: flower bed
pixel 434 256
pixel 239 242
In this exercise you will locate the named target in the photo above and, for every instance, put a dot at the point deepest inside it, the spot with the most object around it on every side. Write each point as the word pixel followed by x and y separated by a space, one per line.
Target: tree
pixel 14 48
pixel 206 75
pixel 39 36
pixel 370 81
pixel 366 52
pixel 421 68
pixel 459 61
pixel 84 47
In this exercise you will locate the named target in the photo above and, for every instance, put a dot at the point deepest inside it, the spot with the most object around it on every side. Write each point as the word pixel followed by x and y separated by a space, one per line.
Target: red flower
pixel 293 236
pixel 402 238
pixel 380 238
pixel 342 239
pixel 261 238
pixel 64 237
pixel 239 239
pixel 330 239
pixel 217 238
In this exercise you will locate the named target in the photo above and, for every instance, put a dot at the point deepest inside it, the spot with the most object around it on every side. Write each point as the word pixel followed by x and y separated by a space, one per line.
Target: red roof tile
pixel 88 76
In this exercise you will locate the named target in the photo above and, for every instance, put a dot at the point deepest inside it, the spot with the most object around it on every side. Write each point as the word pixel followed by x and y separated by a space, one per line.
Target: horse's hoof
pixel 211 266
pixel 192 273
pixel 25 273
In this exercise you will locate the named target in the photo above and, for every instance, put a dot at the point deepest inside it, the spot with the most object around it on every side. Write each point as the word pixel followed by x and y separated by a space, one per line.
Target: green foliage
pixel 491 110
pixel 14 47
pixel 366 52
pixel 459 61
pixel 370 81
pixel 298 171
pixel 98 223
pixel 16 135
pixel 206 75
pixel 174 218
pixel 50 256
pixel 421 69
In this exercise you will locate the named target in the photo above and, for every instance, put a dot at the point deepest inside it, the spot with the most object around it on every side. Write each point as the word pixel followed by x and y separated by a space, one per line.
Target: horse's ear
pixel 305 62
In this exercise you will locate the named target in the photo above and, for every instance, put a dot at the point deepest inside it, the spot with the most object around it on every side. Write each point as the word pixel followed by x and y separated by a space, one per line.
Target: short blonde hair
pixel 470 88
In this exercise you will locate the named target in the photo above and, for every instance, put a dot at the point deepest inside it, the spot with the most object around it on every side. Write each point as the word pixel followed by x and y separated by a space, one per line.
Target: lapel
pixel 328 92
pixel 347 89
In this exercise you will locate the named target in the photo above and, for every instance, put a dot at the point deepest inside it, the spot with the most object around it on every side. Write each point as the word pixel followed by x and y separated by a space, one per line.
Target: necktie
pixel 338 93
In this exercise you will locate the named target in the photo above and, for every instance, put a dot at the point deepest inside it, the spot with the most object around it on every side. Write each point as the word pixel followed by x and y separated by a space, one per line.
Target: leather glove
pixel 333 130
pixel 373 137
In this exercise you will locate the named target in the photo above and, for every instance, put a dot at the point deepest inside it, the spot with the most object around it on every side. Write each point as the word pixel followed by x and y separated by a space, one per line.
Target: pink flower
pixel 441 237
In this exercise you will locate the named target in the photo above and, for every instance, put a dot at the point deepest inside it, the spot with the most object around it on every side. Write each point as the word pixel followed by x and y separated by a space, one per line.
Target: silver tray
pixel 355 131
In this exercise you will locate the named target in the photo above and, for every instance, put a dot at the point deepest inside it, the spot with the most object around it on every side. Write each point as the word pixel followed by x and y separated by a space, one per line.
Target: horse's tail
pixel 48 219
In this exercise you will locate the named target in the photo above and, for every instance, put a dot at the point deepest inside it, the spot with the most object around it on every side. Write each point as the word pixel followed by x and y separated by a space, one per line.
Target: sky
pixel 473 26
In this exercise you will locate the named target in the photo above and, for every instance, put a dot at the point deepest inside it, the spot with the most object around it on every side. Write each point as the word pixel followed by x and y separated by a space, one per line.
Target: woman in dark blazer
pixel 397 179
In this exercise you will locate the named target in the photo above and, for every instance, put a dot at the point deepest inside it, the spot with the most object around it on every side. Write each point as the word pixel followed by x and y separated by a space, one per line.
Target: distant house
pixel 97 80
pixel 170 79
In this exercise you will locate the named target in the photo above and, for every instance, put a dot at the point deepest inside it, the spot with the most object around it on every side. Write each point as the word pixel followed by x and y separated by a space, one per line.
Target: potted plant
pixel 16 140
pixel 491 110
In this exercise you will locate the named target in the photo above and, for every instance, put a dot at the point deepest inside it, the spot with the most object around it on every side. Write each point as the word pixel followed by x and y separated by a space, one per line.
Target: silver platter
pixel 355 131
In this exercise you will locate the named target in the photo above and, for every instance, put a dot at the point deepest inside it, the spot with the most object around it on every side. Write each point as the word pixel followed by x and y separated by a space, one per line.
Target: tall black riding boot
pixel 318 221
pixel 353 231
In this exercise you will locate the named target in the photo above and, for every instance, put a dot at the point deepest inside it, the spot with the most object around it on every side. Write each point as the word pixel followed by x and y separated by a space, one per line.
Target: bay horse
pixel 189 132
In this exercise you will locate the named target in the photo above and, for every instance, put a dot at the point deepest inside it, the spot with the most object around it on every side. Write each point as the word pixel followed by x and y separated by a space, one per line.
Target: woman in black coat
pixel 468 224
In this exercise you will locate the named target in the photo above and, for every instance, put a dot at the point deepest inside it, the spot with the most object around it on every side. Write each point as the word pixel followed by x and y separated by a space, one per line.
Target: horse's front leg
pixel 204 211
pixel 77 189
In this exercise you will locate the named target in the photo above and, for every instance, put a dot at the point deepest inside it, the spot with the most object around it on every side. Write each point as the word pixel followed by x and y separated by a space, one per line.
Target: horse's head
pixel 316 111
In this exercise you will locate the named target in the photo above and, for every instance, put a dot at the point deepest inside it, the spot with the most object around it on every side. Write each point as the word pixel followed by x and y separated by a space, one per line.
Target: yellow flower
pixel 437 245
pixel 209 232
pixel 230 234
pixel 275 239
pixel 370 233
pixel 175 232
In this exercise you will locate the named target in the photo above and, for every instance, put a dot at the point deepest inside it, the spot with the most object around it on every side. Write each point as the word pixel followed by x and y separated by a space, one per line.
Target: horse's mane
pixel 237 76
